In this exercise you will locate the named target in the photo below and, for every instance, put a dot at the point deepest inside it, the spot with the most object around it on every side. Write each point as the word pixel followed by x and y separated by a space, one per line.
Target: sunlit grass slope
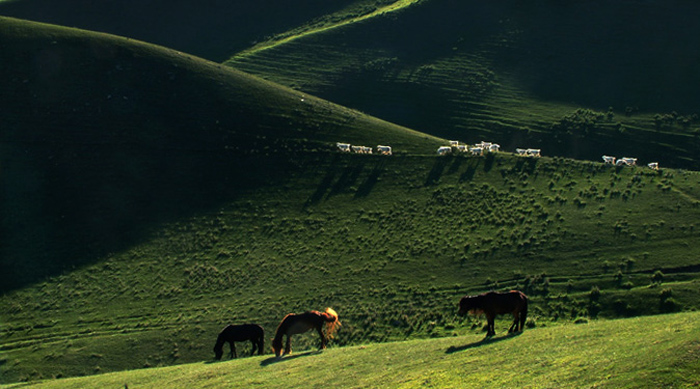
pixel 577 80
pixel 101 136
pixel 650 352
pixel 391 243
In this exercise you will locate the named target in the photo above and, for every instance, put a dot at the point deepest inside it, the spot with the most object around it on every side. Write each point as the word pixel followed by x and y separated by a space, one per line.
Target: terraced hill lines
pixel 504 71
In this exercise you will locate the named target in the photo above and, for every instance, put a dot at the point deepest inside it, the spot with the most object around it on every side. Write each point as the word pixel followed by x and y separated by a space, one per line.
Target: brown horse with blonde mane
pixel 495 303
pixel 294 323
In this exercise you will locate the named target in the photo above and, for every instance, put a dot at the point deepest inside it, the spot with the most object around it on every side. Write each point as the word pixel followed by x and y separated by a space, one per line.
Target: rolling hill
pixel 211 29
pixel 103 135
pixel 149 197
pixel 577 80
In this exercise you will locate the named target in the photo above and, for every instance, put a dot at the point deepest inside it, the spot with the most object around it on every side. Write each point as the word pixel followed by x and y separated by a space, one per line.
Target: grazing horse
pixel 495 303
pixel 295 323
pixel 240 333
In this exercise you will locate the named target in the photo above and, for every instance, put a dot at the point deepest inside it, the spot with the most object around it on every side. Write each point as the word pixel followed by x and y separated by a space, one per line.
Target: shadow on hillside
pixel 437 170
pixel 366 187
pixel 469 173
pixel 273 360
pixel 109 198
pixel 339 179
pixel 483 342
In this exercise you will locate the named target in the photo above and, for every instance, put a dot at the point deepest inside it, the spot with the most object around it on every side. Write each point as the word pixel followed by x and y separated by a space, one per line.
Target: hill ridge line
pixel 398 5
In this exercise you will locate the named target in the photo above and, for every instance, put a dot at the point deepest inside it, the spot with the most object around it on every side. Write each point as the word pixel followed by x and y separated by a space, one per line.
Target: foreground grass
pixel 660 351
pixel 390 243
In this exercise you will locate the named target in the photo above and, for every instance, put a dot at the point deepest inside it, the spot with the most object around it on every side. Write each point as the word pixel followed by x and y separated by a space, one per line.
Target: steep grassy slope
pixel 656 352
pixel 211 29
pixel 103 136
pixel 390 243
pixel 578 80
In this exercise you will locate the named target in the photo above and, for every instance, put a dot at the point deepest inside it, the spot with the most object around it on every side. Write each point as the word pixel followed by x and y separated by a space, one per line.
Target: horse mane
pixel 332 323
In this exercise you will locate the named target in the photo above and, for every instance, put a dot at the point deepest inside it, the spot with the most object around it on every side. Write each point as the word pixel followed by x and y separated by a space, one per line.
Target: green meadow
pixel 154 190
pixel 650 352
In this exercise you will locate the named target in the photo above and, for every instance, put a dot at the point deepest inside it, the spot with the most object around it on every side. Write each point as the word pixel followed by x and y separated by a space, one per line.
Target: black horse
pixel 494 303
pixel 240 333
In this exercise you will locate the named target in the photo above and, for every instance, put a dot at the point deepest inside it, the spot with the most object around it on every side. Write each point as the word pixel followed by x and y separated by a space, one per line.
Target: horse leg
pixel 252 349
pixel 514 326
pixel 261 344
pixel 323 338
pixel 490 324
pixel 233 350
pixel 288 347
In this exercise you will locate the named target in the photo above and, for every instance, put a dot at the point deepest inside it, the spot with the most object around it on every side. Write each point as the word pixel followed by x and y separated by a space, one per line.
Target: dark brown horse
pixel 495 303
pixel 240 333
pixel 293 324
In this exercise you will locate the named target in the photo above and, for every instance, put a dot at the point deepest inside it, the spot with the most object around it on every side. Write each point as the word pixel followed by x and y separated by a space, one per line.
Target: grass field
pixel 149 197
pixel 390 243
pixel 649 352
pixel 570 79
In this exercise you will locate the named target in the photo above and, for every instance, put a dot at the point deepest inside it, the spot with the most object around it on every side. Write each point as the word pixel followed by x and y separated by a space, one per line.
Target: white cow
pixel 462 148
pixel 533 152
pixel 654 165
pixel 366 150
pixel 444 150
pixel 484 145
pixel 494 148
pixel 344 147
pixel 608 159
pixel 477 150
pixel 454 143
pixel 626 161
pixel 521 151
pixel 384 150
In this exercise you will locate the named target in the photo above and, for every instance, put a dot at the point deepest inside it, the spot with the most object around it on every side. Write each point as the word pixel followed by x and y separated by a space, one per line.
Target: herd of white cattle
pixel 479 149
pixel 627 161
pixel 347 148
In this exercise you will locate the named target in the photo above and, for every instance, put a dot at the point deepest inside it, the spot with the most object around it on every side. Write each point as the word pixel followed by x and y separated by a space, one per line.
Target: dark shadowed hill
pixel 578 80
pixel 212 29
pixel 102 136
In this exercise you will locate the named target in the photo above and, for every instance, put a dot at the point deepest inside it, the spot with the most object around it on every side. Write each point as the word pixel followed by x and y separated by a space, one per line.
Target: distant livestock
pixel 626 161
pixel 444 150
pixel 654 165
pixel 361 149
pixel 384 150
pixel 344 147
pixel 494 148
pixel 533 152
pixel 454 143
pixel 484 145
pixel 608 159
pixel 477 150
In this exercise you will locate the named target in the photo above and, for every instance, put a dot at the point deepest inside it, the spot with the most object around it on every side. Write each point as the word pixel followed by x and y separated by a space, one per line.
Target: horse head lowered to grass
pixel 240 333
pixel 495 303
pixel 294 323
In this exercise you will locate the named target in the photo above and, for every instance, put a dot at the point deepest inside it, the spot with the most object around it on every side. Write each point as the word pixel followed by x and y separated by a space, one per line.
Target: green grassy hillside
pixel 656 352
pixel 103 137
pixel 390 243
pixel 149 197
pixel 576 80
pixel 210 29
